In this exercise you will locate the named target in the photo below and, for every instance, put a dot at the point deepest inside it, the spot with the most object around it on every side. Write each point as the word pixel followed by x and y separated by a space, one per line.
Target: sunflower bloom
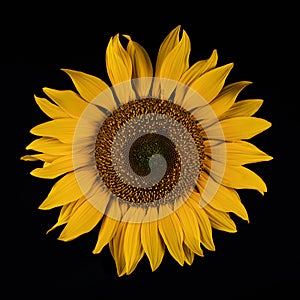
pixel 155 158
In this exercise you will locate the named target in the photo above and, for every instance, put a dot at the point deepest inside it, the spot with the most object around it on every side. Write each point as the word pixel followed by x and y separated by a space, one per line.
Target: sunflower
pixel 155 159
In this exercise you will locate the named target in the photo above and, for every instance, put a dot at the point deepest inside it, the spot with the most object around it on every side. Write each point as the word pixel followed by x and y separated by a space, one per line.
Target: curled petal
pixel 176 61
pixel 170 41
pixel 87 85
pixel 141 62
pixel 118 62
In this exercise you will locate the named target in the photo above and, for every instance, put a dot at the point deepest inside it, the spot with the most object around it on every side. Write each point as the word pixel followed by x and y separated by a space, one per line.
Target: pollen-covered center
pixel 127 160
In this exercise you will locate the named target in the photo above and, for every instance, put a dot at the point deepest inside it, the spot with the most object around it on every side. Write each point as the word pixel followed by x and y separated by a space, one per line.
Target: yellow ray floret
pixel 51 110
pixel 87 85
pixel 82 220
pixel 54 169
pixel 61 129
pixel 154 247
pixel 168 44
pixel 172 234
pixel 50 146
pixel 64 191
pixel 199 68
pixel 67 100
pixel 211 83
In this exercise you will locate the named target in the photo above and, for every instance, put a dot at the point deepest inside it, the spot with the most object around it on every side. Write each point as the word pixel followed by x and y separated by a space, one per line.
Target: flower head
pixel 155 158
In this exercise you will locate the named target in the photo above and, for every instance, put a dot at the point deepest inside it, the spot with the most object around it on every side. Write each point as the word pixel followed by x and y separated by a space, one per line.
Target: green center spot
pixel 148 145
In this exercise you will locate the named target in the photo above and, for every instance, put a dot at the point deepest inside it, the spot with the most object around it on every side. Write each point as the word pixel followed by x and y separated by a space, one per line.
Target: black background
pixel 260 259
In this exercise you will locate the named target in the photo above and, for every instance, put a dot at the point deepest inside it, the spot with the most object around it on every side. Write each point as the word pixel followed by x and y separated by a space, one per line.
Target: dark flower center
pixel 152 144
pixel 133 158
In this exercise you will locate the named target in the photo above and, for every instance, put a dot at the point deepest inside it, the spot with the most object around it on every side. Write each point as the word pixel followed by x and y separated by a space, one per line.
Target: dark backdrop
pixel 260 259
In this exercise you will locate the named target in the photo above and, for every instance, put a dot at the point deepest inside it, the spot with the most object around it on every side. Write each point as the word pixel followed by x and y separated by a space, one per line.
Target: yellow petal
pixel 43 157
pixel 243 108
pixel 141 62
pixel 177 60
pixel 65 190
pixel 64 215
pixel 227 97
pixel 199 68
pixel 170 41
pixel 142 67
pixel 83 220
pixel 204 223
pixel 151 242
pixel 247 179
pixel 107 231
pixel 109 225
pixel 228 200
pixel 220 220
pixel 50 146
pixel 50 109
pixel 119 69
pixel 29 158
pixel 188 254
pixel 242 152
pixel 61 129
pixel 116 246
pixel 132 246
pixel 240 177
pixel 211 83
pixel 238 153
pixel 174 64
pixel 68 100
pixel 133 251
pixel 56 168
pixel 190 228
pixel 243 127
pixel 172 234
pixel 87 85
pixel 118 61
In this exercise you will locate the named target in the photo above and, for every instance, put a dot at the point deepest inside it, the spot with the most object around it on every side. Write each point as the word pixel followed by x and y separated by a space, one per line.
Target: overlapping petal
pixel 154 246
pixel 67 100
pixel 211 83
pixel 64 191
pixel 118 62
pixel 61 129
pixel 199 68
pixel 141 66
pixel 50 146
pixel 50 109
pixel 54 169
pixel 172 234
pixel 83 220
pixel 243 108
